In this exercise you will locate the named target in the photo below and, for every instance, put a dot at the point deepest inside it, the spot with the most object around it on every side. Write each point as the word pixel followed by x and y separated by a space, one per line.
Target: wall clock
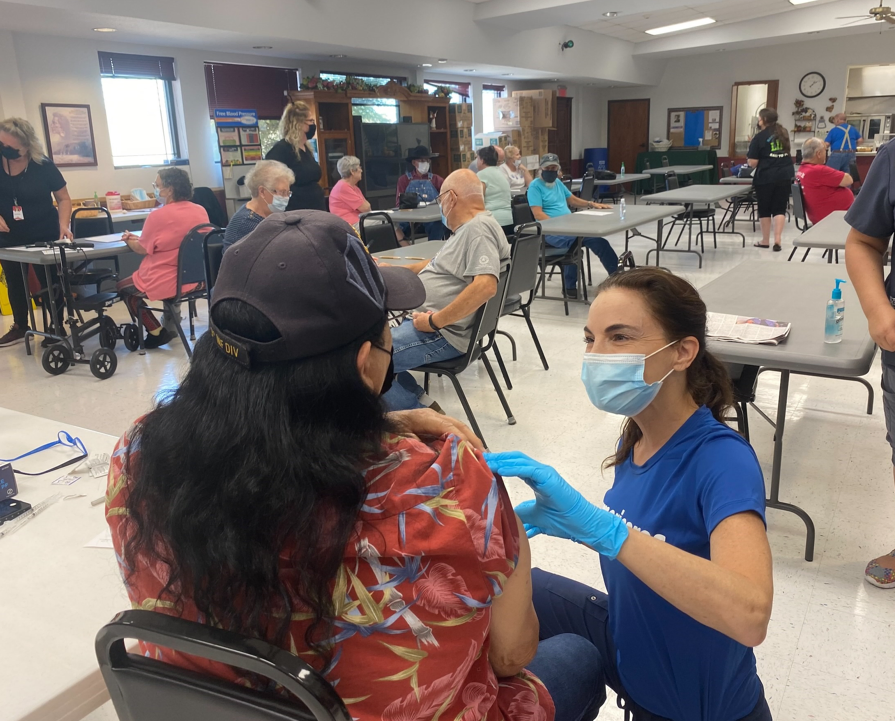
pixel 812 84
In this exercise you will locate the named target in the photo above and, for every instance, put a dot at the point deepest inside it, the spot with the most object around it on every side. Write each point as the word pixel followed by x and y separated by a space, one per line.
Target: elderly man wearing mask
pixel 269 184
pixel 419 179
pixel 458 281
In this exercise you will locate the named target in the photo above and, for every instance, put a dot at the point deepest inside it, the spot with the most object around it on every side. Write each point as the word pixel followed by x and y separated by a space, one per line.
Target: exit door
pixel 628 133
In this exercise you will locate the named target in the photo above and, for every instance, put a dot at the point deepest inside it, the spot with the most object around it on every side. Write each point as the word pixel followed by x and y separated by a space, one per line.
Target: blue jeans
pixel 413 349
pixel 566 606
pixel 841 161
pixel 434 230
pixel 571 668
pixel 600 246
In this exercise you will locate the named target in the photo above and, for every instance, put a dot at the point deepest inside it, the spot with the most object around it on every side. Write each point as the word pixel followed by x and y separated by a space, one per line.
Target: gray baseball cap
pixel 549 159
pixel 309 274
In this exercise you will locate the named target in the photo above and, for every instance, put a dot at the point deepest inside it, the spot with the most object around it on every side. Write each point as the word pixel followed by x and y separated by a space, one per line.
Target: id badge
pixel 17 213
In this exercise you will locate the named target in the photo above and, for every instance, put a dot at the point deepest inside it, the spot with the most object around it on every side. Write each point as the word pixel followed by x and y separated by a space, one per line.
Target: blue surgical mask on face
pixel 278 205
pixel 444 217
pixel 614 381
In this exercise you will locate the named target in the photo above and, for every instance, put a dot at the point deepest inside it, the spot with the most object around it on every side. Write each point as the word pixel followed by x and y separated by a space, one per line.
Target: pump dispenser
pixel 835 316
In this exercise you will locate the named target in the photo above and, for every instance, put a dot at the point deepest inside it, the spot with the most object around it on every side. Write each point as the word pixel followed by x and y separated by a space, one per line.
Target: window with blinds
pixel 138 95
pixel 253 87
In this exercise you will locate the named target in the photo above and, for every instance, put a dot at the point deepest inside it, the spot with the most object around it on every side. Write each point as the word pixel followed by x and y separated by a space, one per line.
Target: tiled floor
pixel 828 654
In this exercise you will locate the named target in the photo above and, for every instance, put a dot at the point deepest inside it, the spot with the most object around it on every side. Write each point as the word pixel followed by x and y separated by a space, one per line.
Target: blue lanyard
pixel 63 439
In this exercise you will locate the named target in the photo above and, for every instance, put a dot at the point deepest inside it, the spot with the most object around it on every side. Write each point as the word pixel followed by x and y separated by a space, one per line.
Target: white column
pixel 12 100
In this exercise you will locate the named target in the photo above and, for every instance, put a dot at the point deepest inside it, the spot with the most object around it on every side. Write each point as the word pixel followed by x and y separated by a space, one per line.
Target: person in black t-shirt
pixel 769 154
pixel 295 152
pixel 28 183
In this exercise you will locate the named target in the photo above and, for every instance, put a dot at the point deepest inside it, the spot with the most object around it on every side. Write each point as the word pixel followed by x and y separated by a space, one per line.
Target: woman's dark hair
pixel 678 309
pixel 770 119
pixel 178 181
pixel 488 154
pixel 241 466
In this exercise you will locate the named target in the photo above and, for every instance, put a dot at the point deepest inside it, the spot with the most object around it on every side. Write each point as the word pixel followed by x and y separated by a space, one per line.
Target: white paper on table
pixel 106 239
pixel 103 540
pixel 595 212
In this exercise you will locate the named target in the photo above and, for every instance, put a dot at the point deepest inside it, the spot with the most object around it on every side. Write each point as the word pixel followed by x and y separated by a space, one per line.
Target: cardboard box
pixel 510 113
pixel 531 161
pixel 495 138
pixel 540 143
pixel 461 160
pixel 543 108
pixel 460 134
pixel 458 110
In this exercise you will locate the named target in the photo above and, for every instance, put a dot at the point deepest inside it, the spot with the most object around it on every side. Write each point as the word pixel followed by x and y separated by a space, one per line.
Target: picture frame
pixel 68 129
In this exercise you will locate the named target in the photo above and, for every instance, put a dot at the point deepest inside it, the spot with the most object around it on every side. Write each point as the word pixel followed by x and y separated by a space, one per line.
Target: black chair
pixel 524 263
pixel 484 328
pixel 690 216
pixel 665 163
pixel 855 176
pixel 83 227
pixel 800 217
pixel 379 235
pixel 725 171
pixel 208 200
pixel 190 270
pixel 655 182
pixel 586 192
pixel 213 254
pixel 147 689
pixel 744 379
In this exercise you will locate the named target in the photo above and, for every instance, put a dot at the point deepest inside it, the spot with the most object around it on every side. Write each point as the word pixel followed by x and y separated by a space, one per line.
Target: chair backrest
pixel 146 689
pixel 486 319
pixel 213 253
pixel 82 227
pixel 798 208
pixel 665 162
pixel 853 172
pixel 725 172
pixel 191 257
pixel 646 165
pixel 208 200
pixel 522 214
pixel 587 187
pixel 567 181
pixel 671 181
pixel 525 259
pixel 377 232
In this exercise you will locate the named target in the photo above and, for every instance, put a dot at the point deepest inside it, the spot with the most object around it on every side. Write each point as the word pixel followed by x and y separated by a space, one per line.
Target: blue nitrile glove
pixel 558 509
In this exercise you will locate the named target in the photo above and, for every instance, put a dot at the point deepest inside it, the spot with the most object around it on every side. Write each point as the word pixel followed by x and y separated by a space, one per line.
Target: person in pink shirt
pixel 163 232
pixel 825 189
pixel 345 199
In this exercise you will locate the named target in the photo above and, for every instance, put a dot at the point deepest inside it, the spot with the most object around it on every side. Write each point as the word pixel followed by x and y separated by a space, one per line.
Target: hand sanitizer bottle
pixel 621 209
pixel 835 316
pixel 623 169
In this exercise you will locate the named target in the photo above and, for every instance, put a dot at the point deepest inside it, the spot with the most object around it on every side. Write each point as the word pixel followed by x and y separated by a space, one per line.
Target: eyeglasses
pixel 281 193
pixel 440 197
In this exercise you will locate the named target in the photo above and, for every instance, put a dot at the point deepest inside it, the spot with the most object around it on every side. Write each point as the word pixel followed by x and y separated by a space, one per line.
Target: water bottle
pixel 623 169
pixel 621 209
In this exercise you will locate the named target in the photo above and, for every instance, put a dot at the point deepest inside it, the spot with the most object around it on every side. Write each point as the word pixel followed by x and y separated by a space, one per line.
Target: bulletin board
pixel 692 127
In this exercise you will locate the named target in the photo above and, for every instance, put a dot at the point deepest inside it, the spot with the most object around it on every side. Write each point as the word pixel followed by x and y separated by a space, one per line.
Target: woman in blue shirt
pixel 682 539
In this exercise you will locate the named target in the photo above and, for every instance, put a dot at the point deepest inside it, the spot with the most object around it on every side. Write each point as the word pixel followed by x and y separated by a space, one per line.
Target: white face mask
pixel 423 167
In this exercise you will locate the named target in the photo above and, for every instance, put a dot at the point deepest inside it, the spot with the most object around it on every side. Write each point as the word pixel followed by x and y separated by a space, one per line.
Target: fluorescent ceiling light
pixel 104 30
pixel 800 2
pixel 681 26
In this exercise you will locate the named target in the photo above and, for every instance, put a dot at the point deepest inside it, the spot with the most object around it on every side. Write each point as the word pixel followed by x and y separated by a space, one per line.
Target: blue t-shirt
pixel 551 200
pixel 843 137
pixel 669 663
pixel 243 222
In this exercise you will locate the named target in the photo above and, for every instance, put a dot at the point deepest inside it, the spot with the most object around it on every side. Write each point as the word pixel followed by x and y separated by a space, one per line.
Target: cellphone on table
pixel 12 508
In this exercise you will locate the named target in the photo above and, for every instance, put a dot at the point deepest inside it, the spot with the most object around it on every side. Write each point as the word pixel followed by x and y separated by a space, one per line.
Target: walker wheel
pixel 56 359
pixel 108 333
pixel 103 363
pixel 131 335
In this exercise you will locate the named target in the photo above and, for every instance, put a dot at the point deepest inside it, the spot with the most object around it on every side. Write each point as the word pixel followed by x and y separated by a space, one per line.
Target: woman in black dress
pixel 29 181
pixel 769 154
pixel 294 150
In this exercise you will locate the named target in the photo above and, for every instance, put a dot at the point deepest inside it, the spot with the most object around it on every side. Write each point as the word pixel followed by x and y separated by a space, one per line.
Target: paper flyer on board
pixel 746 329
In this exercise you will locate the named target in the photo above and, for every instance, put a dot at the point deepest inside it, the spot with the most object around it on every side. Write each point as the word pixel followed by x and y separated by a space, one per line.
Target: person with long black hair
pixel 769 153
pixel 682 539
pixel 271 495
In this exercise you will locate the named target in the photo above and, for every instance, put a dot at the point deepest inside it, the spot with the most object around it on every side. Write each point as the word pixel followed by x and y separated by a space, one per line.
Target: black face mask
pixel 312 131
pixel 549 176
pixel 390 373
pixel 9 153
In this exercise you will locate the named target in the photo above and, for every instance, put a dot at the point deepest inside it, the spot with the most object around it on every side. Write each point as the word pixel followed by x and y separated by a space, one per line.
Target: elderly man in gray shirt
pixel 458 281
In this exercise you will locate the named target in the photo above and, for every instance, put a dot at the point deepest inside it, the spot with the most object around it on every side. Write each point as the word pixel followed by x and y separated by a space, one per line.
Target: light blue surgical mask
pixel 279 204
pixel 614 381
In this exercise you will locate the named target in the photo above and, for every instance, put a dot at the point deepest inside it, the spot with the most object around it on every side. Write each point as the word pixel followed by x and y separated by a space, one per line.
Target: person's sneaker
pixel 878 575
pixel 14 335
pixel 154 341
pixel 569 292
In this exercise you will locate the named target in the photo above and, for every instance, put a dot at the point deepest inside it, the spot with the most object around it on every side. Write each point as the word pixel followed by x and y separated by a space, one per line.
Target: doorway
pixel 628 133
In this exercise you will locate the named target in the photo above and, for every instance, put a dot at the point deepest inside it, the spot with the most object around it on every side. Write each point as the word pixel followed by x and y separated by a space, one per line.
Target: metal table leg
pixel 774 500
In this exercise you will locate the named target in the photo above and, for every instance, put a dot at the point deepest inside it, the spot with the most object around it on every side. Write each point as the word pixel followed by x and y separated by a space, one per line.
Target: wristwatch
pixel 432 322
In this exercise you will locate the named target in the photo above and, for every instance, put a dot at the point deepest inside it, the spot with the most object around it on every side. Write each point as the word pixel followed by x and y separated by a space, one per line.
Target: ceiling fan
pixel 877 13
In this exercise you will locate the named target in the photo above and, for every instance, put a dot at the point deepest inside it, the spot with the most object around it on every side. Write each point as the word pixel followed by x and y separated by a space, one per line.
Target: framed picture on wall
pixel 69 132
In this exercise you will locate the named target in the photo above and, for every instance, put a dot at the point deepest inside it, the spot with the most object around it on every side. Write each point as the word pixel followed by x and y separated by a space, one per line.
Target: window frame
pixel 348 76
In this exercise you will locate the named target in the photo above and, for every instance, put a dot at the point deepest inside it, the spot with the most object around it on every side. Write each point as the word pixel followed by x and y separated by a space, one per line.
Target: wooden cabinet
pixel 335 124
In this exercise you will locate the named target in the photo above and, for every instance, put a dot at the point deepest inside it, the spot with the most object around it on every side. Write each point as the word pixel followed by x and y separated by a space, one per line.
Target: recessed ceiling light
pixel 610 14
pixel 442 60
pixel 469 70
pixel 699 22
pixel 262 47
pixel 338 56
pixel 104 30
pixel 427 65
pixel 800 2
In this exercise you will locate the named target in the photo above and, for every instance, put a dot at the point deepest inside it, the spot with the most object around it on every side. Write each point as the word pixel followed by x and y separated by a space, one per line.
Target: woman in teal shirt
pixel 682 540
pixel 497 188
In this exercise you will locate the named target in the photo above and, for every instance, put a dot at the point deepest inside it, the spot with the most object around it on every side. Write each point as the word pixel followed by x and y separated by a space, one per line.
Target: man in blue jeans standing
pixel 459 280
pixel 549 198
pixel 842 142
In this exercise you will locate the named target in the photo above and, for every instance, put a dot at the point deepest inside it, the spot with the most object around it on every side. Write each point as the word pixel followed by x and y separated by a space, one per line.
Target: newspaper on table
pixel 743 329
